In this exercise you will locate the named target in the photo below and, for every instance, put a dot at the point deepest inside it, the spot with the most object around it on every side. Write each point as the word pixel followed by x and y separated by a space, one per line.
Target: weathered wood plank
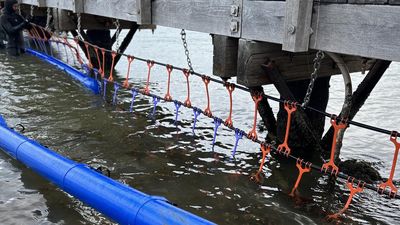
pixel 367 1
pixel 67 5
pixel 369 31
pixel 200 15
pixel 263 20
pixel 394 2
pixel 297 25
pixel 225 56
pixel 292 66
pixel 118 9
pixel 143 11
pixel 39 3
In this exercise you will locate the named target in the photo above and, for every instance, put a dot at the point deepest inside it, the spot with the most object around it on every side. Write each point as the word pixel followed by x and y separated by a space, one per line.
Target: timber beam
pixel 292 66
pixel 370 30
pixel 309 135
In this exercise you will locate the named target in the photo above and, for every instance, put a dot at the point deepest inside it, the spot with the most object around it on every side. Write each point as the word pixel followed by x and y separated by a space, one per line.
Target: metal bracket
pixel 235 16
pixel 143 10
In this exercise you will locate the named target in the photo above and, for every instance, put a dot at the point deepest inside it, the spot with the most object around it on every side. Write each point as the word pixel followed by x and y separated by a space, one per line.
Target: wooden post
pixel 310 134
pixel 297 25
pixel 225 56
pixel 143 8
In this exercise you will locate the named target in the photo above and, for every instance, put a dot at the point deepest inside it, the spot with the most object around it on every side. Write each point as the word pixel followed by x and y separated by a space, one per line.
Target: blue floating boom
pixel 88 82
pixel 119 202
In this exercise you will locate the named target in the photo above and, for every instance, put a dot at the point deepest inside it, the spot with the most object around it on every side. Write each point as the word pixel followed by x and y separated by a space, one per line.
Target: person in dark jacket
pixel 13 24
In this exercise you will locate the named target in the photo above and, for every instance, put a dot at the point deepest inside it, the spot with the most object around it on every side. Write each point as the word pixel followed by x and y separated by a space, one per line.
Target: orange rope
pixel 88 55
pixel 302 170
pixel 168 96
pixel 290 108
pixel 337 126
pixel 187 102
pixel 113 54
pixel 257 97
pixel 206 80
pixel 230 87
pixel 150 64
pixel 353 191
pixel 126 82
pixel 389 182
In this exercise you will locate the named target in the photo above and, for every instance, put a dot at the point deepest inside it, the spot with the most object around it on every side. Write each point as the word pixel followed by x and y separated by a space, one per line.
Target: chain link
pixel 48 19
pixel 317 64
pixel 189 62
pixel 32 8
pixel 117 25
pixel 79 26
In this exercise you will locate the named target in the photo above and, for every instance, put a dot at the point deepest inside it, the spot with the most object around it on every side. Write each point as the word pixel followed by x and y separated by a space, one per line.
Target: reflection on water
pixel 159 158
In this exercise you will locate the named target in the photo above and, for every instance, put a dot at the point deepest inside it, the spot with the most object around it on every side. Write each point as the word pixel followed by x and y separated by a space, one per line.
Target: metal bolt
pixel 234 26
pixel 291 29
pixel 235 10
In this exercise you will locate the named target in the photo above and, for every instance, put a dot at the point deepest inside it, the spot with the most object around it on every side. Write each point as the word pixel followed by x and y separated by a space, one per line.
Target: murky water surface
pixel 159 158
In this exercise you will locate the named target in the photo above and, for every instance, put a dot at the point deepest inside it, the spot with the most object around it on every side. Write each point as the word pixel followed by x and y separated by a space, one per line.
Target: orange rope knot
pixel 206 80
pixel 290 107
pixel 113 55
pixel 389 182
pixel 265 150
pixel 353 191
pixel 302 170
pixel 187 102
pixel 126 82
pixel 168 96
pixel 230 87
pixel 337 126
pixel 257 97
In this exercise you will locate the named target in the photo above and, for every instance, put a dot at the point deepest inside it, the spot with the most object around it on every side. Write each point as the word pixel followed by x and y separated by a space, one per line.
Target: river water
pixel 159 158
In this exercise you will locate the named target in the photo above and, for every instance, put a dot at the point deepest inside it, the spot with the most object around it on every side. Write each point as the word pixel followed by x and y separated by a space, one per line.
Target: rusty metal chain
pixel 117 25
pixel 32 8
pixel 48 19
pixel 185 46
pixel 79 26
pixel 317 64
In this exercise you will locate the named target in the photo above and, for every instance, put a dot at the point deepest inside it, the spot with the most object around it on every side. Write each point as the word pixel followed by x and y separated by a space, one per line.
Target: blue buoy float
pixel 117 201
pixel 90 83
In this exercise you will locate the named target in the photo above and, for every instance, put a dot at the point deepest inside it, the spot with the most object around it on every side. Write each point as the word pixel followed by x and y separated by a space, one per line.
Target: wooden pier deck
pixel 369 28
pixel 246 32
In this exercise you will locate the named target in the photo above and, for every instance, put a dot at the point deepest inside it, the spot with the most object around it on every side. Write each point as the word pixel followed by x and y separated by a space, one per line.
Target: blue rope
pixel 196 113
pixel 217 123
pixel 104 88
pixel 116 88
pixel 238 135
pixel 134 94
pixel 156 100
pixel 177 106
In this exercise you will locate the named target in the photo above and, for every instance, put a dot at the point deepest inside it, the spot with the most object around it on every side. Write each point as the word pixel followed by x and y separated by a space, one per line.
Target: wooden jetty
pixel 284 36
pixel 246 32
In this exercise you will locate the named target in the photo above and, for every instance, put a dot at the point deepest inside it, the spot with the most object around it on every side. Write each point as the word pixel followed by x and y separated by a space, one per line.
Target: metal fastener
pixel 234 10
pixel 291 29
pixel 234 26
